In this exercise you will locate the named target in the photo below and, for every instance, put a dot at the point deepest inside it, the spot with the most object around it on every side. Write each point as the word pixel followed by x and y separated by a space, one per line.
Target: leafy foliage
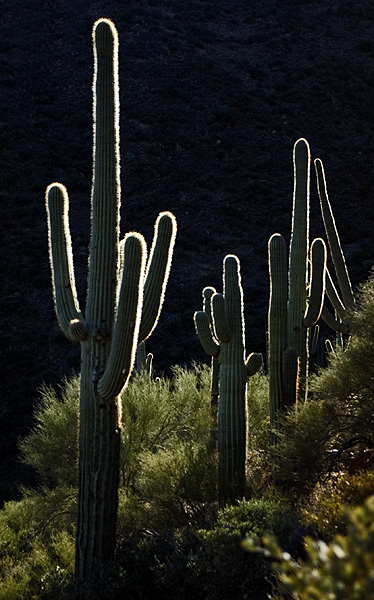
pixel 168 475
pixel 51 447
pixel 340 570
pixel 209 563
pixel 336 424
pixel 328 503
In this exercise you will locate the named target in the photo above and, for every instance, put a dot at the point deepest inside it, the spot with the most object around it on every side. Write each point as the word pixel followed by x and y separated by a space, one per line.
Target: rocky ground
pixel 213 97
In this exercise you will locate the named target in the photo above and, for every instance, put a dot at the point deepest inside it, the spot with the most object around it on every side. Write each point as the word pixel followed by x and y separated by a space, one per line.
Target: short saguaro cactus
pixel 222 335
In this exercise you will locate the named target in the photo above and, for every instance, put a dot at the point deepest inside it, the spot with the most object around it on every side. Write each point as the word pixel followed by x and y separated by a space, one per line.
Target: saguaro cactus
pixel 296 296
pixel 223 336
pixel 124 298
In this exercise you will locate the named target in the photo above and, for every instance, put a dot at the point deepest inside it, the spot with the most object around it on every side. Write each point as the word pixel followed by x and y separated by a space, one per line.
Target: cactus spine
pixel 223 336
pixel 124 299
pixel 296 298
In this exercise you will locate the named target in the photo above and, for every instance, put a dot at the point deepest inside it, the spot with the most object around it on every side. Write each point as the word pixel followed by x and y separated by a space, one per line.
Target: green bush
pixel 340 570
pixel 208 564
pixel 51 448
pixel 334 430
pixel 36 545
pixel 164 456
pixel 258 435
pixel 169 476
pixel 327 506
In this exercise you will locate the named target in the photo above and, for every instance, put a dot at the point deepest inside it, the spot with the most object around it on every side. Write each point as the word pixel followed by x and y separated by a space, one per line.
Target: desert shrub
pixel 51 448
pixel 33 548
pixel 168 473
pixel 207 563
pixel 155 412
pixel 306 438
pixel 329 501
pixel 258 434
pixel 166 432
pixel 175 486
pixel 340 570
pixel 334 430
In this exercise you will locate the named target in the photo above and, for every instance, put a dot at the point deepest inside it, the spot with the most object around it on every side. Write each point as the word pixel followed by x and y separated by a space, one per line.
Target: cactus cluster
pixel 124 298
pixel 296 295
pixel 222 334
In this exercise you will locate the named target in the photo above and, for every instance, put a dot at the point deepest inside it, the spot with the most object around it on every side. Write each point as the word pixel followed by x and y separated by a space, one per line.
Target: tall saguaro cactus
pixel 124 297
pixel 222 335
pixel 296 296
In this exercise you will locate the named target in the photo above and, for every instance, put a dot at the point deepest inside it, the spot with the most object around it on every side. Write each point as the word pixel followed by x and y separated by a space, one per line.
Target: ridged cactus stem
pixel 122 288
pixel 277 325
pixel 299 250
pixel 222 336
pixel 233 376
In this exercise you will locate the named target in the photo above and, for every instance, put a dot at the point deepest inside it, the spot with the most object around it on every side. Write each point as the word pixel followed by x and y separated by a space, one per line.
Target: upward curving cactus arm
pixel 61 259
pixel 204 331
pixel 157 273
pixel 221 326
pixel 254 363
pixel 317 283
pixel 334 297
pixel 342 305
pixel 129 310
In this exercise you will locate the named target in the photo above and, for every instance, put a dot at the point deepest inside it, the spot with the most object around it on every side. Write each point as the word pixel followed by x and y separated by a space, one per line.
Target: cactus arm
pixel 207 296
pixel 203 329
pixel 254 363
pixel 333 238
pixel 220 325
pixel 299 249
pixel 331 321
pixel 61 258
pixel 317 282
pixel 334 298
pixel 314 340
pixel 126 328
pixel 157 273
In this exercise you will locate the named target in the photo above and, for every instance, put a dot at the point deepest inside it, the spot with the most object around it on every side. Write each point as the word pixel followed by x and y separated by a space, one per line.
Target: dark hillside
pixel 213 97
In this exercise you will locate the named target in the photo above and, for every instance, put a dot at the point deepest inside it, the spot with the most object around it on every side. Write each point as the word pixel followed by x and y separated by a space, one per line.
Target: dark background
pixel 213 97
